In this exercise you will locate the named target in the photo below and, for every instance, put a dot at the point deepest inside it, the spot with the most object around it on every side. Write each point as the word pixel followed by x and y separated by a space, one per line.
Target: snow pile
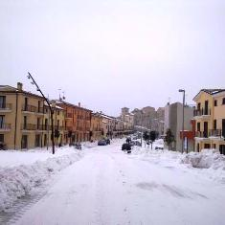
pixel 16 182
pixel 205 159
pixel 12 158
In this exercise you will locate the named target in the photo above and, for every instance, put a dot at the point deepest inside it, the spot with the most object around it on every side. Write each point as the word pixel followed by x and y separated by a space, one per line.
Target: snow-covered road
pixel 109 187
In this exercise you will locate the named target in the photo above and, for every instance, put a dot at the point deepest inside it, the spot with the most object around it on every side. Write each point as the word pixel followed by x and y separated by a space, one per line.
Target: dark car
pixel 102 142
pixel 126 147
pixel 107 141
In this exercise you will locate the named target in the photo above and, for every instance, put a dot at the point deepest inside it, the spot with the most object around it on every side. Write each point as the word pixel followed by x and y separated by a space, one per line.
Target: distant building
pixel 173 121
pixel 127 118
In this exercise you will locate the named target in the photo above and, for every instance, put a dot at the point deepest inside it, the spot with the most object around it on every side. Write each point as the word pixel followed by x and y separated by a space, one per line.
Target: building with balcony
pixel 96 132
pixel 21 118
pixel 210 119
pixel 77 122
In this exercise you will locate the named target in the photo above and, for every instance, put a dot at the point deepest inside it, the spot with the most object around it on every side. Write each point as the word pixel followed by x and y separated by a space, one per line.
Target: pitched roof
pixel 209 91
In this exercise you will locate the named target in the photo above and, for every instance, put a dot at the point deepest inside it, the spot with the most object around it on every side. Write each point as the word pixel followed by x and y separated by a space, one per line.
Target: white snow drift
pixel 16 182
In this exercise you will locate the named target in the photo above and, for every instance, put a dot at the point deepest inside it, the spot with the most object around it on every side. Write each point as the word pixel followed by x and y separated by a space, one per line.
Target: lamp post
pixel 38 89
pixel 182 90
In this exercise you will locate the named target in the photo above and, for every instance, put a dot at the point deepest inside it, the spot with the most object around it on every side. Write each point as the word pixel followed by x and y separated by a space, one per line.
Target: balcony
pixel 201 134
pixel 31 127
pixel 216 133
pixel 5 127
pixel 6 108
pixel 202 112
pixel 32 109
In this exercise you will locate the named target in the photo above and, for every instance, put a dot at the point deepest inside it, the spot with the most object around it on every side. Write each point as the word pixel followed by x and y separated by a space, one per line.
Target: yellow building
pixel 210 119
pixel 58 125
pixel 21 118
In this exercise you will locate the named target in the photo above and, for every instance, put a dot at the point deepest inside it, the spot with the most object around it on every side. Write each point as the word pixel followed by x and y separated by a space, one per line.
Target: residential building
pixel 77 122
pixel 210 119
pixel 58 125
pixel 96 126
pixel 21 118
pixel 173 121
pixel 127 118
pixel 159 120
pixel 145 117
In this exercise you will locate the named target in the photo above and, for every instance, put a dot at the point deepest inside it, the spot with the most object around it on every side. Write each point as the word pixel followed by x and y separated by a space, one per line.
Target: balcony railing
pixel 5 107
pixel 215 133
pixel 201 134
pixel 5 126
pixel 30 127
pixel 32 108
pixel 202 112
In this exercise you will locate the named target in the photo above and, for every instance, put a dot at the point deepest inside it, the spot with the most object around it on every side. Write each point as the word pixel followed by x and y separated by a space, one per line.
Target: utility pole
pixel 182 90
pixel 50 108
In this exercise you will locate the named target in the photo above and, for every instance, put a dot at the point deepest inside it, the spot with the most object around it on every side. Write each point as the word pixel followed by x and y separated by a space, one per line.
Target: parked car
pixel 126 147
pixel 102 142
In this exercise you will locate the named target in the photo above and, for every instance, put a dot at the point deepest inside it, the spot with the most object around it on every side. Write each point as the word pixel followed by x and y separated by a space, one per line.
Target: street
pixel 109 187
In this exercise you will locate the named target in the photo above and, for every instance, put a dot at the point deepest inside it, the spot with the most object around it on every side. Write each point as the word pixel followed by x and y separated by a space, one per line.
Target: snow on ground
pixel 157 187
pixel 12 158
pixel 20 172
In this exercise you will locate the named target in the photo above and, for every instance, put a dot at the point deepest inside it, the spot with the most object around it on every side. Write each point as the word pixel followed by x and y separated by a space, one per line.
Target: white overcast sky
pixel 108 54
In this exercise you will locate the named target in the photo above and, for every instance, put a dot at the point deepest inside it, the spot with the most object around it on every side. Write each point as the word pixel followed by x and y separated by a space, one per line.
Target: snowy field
pixel 106 186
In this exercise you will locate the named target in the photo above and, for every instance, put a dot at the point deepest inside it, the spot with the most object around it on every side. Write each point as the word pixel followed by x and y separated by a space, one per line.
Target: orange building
pixel 77 122
pixel 96 126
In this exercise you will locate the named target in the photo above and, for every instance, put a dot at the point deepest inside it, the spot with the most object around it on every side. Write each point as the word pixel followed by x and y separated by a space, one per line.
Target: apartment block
pixel 21 118
pixel 210 119
pixel 77 122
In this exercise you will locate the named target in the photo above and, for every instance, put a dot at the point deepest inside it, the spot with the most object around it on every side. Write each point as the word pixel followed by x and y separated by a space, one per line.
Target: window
pixel 38 123
pixel 26 104
pixel 1 138
pixel 2 121
pixel 39 106
pixel 198 127
pixel 214 124
pixel 2 102
pixel 223 101
pixel 24 122
pixel 215 102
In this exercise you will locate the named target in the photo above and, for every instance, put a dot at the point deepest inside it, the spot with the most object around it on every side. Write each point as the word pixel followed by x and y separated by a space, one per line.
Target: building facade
pixel 210 119
pixel 96 126
pixel 173 121
pixel 77 122
pixel 21 118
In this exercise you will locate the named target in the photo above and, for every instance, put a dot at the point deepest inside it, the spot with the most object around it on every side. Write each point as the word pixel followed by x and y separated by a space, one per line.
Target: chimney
pixel 79 104
pixel 53 103
pixel 19 86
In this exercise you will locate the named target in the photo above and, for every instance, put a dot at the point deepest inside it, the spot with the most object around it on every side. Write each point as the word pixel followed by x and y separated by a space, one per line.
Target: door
pixel 222 149
pixel 37 140
pixel 24 142
pixel 223 128
pixel 205 133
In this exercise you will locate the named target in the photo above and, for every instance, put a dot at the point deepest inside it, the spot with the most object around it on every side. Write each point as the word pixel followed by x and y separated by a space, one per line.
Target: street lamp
pixel 182 90
pixel 38 89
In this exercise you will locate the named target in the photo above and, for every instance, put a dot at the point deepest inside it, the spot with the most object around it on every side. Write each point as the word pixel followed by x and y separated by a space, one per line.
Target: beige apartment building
pixel 21 118
pixel 210 119
pixel 58 125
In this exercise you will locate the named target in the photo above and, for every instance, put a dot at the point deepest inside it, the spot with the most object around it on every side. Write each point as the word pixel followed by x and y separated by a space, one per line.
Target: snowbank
pixel 206 159
pixel 12 158
pixel 16 182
